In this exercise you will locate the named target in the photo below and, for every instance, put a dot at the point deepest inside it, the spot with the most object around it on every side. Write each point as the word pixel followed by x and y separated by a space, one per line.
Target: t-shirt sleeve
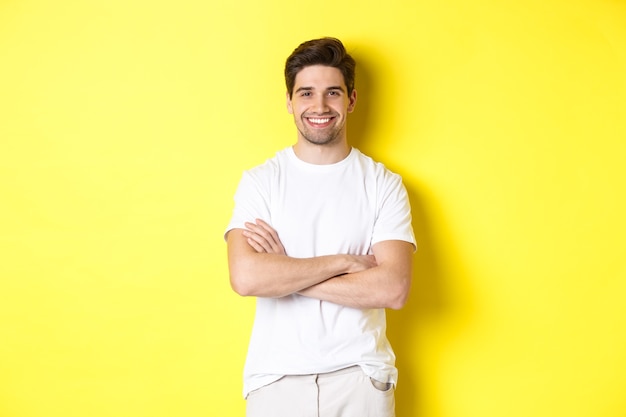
pixel 393 221
pixel 251 201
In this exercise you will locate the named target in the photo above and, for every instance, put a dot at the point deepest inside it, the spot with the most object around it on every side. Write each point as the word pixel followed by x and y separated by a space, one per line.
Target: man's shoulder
pixel 379 168
pixel 271 164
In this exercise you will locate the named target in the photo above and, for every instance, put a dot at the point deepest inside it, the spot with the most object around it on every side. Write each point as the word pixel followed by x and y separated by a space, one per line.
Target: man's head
pixel 328 52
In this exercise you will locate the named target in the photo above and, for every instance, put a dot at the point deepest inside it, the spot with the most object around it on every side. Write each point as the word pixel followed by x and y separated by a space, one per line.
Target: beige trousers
pixel 345 393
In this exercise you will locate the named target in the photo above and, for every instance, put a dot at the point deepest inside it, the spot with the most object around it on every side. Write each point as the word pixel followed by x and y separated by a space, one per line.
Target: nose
pixel 320 105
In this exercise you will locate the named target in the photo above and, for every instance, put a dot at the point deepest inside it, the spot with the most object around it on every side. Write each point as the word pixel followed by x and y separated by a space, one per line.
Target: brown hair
pixel 324 51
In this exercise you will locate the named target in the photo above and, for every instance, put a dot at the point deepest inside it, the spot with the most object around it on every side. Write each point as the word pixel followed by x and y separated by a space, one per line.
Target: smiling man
pixel 321 234
pixel 320 105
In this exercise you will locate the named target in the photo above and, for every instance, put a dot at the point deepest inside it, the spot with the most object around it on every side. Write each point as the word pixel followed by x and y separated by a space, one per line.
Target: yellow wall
pixel 124 128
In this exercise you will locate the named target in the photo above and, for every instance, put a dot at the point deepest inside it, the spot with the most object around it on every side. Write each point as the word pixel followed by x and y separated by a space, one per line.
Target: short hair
pixel 324 51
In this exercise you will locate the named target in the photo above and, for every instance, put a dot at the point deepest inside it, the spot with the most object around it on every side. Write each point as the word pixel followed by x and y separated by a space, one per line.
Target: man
pixel 321 235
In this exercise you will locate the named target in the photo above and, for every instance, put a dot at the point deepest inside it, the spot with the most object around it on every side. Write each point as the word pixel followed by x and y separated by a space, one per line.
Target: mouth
pixel 319 122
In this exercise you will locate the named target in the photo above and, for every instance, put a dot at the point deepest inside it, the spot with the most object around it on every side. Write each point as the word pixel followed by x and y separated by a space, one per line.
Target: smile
pixel 319 121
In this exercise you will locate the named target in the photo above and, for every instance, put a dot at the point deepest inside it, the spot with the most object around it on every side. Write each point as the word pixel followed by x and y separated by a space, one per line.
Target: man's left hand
pixel 263 238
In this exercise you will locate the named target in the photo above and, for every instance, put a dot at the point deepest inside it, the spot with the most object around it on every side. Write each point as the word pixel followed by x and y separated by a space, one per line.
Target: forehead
pixel 320 77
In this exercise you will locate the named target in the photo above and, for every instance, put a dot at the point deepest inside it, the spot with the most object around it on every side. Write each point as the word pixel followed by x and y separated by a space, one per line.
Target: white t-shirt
pixel 318 210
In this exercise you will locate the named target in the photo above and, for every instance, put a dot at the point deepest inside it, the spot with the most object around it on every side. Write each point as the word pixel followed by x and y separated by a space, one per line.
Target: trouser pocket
pixel 381 386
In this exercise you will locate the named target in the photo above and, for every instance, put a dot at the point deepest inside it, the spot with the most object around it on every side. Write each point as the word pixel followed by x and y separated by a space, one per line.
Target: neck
pixel 321 154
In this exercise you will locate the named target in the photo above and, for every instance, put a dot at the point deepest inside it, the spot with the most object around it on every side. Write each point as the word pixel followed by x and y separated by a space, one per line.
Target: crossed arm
pixel 259 266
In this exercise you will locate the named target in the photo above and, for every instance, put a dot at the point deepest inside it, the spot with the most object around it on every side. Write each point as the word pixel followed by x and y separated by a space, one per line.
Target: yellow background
pixel 124 129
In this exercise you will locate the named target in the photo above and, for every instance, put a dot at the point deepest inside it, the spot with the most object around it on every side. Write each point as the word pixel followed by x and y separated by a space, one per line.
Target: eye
pixel 334 93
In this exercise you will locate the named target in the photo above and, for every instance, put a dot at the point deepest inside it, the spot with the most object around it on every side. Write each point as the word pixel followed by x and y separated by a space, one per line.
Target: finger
pixel 273 238
pixel 268 233
pixel 259 229
pixel 259 241
pixel 258 248
pixel 266 230
pixel 266 236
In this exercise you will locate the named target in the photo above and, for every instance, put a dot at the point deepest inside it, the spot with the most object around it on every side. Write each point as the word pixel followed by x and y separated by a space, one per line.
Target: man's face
pixel 320 104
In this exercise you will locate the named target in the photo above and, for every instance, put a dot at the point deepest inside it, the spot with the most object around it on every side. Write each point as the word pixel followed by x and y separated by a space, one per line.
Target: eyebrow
pixel 331 88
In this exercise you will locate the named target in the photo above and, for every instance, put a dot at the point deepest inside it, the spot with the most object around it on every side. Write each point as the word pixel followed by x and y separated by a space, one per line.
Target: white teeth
pixel 319 121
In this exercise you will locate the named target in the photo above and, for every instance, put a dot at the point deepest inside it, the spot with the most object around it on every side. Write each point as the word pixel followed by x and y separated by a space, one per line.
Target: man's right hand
pixel 259 265
pixel 263 238
pixel 361 263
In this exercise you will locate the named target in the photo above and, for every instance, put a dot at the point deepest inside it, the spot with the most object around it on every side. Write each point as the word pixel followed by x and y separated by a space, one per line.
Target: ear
pixel 352 101
pixel 289 107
